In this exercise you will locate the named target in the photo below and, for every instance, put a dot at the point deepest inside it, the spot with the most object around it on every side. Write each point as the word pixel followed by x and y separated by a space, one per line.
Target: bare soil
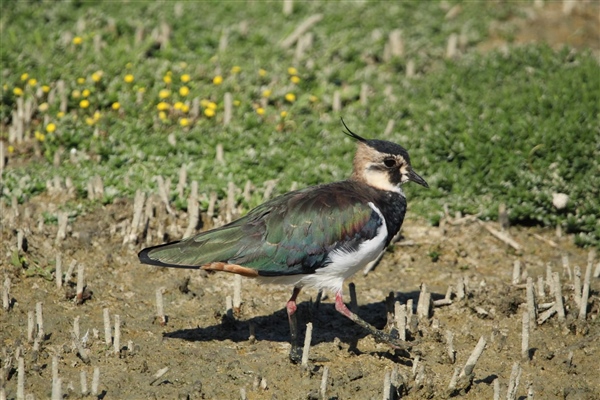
pixel 211 355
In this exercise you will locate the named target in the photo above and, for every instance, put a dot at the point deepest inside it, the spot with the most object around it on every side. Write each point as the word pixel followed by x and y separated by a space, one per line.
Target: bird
pixel 315 237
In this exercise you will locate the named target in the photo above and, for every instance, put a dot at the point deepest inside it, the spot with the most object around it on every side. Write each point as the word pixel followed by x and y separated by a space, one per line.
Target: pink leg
pixel 379 335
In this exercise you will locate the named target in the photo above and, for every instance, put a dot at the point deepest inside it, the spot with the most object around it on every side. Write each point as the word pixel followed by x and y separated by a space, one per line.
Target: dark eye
pixel 389 162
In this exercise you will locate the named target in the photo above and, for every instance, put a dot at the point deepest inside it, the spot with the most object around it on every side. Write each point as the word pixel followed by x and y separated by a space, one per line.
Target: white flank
pixel 342 264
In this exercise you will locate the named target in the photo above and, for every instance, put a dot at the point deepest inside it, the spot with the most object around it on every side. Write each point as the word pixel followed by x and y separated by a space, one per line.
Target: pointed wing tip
pixel 145 258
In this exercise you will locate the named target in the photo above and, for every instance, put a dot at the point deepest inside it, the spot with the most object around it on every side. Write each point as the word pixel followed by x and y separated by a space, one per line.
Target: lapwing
pixel 314 237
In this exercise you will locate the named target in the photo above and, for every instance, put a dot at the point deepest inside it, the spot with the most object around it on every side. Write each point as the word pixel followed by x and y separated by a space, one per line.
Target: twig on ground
pixel 585 292
pixel 307 340
pixel 473 358
pixel 513 383
pixel 300 30
pixel 560 308
pixel 107 330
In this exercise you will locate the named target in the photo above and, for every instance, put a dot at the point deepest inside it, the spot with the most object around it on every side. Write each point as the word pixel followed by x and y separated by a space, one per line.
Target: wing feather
pixel 291 234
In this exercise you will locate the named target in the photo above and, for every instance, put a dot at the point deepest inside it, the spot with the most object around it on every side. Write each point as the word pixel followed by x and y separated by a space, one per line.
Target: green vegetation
pixel 483 129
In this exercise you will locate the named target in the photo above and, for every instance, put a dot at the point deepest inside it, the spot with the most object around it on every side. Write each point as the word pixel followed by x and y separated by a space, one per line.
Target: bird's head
pixel 381 164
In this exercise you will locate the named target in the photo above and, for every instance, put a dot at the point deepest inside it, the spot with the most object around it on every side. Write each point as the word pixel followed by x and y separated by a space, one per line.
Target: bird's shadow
pixel 328 324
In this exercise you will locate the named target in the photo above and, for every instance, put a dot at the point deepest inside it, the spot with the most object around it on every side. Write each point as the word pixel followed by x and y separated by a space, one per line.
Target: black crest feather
pixel 352 134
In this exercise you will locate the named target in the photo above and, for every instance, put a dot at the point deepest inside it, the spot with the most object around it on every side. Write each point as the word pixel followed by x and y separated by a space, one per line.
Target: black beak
pixel 413 176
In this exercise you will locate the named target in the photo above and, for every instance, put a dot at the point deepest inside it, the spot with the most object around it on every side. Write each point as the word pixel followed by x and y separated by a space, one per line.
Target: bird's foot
pixel 392 340
pixel 296 354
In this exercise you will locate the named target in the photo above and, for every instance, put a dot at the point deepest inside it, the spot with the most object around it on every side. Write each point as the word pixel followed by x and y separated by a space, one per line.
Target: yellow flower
pixel 178 105
pixel 185 108
pixel 292 71
pixel 162 106
pixel 313 98
pixel 80 81
pixel 60 114
pixel 90 121
pixel 209 112
pixel 167 79
pixel 237 103
pixel 84 103
pixel 204 103
pixel 43 107
pixel 51 127
pixel 45 88
pixel 24 76
pixel 260 111
pixel 128 78
pixel 96 76
pixel 18 91
pixel 211 105
pixel 295 79
pixel 40 136
pixel 77 40
pixel 291 97
pixel 283 114
pixel 97 115
pixel 266 93
pixel 32 82
pixel 75 94
pixel 164 93
pixel 162 115
pixel 11 149
pixel 236 69
pixel 217 80
pixel 116 105
pixel 185 78
pixel 85 93
pixel 262 72
pixel 184 90
pixel 184 122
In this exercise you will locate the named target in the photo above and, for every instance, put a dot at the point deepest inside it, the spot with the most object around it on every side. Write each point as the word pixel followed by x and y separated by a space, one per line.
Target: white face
pixel 388 172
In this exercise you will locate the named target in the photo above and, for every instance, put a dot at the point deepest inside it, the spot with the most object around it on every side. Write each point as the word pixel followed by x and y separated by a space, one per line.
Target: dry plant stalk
pixel 577 285
pixel 560 308
pixel 324 379
pixel 525 336
pixel 80 283
pixel 117 339
pixel 39 320
pixel 307 340
pixel 424 303
pixel 83 381
pixel 473 358
pixel 107 330
pixel 21 379
pixel 300 30
pixel 228 108
pixel 6 294
pixel 95 381
pixel 531 306
pixel 513 384
pixel 58 271
pixel 585 292
pixel 450 346
pixel 400 316
pixel 160 309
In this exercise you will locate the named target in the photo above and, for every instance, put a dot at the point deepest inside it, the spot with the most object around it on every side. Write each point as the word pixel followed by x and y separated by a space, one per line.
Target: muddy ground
pixel 211 355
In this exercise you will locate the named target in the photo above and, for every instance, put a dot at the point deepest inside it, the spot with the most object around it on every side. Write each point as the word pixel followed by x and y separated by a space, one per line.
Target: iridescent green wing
pixel 292 234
